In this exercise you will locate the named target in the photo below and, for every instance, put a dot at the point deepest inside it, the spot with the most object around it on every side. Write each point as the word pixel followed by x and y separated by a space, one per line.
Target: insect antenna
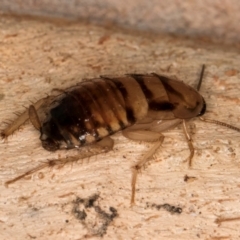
pixel 220 123
pixel 212 120
pixel 201 77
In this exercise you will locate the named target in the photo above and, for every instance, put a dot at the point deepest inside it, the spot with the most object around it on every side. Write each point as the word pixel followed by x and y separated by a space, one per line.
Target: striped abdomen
pixel 100 107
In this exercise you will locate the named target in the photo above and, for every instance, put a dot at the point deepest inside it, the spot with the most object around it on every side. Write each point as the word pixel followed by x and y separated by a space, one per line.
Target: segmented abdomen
pixel 95 109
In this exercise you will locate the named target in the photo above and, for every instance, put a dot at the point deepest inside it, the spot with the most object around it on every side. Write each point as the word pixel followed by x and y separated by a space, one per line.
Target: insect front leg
pixel 148 136
pixel 189 141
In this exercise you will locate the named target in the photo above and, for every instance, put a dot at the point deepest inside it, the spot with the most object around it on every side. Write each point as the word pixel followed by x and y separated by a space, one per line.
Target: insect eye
pixel 203 110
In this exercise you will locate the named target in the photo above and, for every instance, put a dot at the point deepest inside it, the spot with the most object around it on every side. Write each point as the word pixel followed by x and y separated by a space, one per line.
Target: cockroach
pixel 142 106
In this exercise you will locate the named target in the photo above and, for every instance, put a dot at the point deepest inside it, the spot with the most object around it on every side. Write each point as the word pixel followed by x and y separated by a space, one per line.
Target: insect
pixel 142 106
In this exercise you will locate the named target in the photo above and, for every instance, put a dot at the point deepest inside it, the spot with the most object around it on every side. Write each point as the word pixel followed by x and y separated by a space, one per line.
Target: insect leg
pixel 31 171
pixel 106 143
pixel 189 141
pixel 11 128
pixel 102 146
pixel 143 135
pixel 33 116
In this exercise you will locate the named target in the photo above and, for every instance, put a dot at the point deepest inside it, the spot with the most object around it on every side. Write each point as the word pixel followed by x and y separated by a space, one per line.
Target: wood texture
pixel 37 56
pixel 215 19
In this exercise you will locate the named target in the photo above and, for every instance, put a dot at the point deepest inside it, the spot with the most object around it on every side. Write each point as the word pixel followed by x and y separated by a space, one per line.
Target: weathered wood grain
pixel 39 56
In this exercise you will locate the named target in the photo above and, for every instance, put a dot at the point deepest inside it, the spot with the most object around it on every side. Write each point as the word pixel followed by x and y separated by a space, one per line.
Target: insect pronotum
pixel 140 105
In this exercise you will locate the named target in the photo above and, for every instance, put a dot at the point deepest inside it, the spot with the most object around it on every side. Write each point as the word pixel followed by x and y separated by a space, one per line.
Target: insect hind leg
pixel 22 118
pixel 103 146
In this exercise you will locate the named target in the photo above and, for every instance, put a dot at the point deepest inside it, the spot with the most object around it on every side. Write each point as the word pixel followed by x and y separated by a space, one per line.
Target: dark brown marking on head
pixel 161 106
pixel 189 102
pixel 153 104
pixel 168 87
pixel 140 79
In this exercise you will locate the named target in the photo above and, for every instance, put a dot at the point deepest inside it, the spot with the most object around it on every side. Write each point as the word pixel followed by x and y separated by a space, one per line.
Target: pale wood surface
pixel 215 19
pixel 39 56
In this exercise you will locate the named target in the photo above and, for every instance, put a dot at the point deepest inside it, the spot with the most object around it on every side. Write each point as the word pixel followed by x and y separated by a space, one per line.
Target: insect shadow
pixel 142 106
